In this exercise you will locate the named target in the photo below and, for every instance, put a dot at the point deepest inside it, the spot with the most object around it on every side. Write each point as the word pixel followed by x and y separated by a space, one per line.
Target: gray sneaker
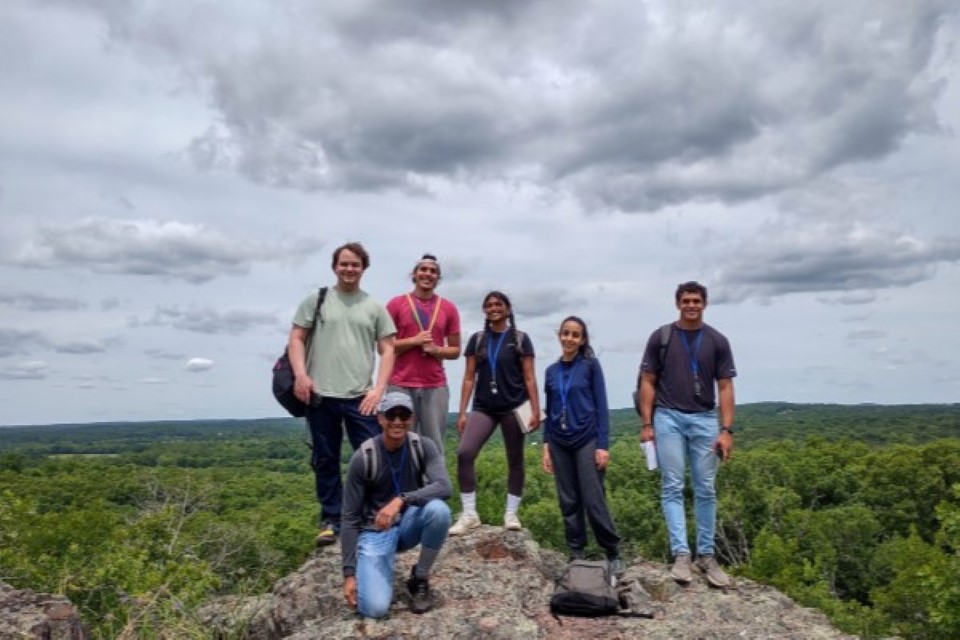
pixel 680 571
pixel 715 575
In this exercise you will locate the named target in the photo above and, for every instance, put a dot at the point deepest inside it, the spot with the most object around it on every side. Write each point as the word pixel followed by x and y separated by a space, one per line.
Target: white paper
pixel 650 450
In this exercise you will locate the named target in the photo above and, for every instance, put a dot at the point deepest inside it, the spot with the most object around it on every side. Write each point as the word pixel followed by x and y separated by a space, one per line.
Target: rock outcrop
pixel 496 584
pixel 25 615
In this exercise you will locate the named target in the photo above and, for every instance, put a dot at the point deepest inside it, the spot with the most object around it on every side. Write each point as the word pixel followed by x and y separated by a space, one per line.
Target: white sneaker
pixel 511 522
pixel 466 521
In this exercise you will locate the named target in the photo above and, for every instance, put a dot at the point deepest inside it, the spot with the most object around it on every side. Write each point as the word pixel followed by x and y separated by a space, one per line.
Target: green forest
pixel 854 510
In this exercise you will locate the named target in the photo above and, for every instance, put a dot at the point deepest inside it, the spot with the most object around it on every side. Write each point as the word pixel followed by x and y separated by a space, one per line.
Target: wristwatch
pixel 727 429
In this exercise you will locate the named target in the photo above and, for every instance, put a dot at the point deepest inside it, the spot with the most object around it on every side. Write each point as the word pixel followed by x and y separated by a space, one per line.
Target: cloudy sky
pixel 175 174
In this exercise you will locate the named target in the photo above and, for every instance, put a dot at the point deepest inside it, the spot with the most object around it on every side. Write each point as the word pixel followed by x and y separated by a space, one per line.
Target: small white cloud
pixel 30 370
pixel 199 364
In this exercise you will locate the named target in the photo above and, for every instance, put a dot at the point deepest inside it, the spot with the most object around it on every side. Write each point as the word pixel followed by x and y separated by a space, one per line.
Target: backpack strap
pixel 371 459
pixel 666 332
pixel 416 444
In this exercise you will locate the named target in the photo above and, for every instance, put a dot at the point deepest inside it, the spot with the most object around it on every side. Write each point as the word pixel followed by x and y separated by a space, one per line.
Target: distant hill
pixel 755 423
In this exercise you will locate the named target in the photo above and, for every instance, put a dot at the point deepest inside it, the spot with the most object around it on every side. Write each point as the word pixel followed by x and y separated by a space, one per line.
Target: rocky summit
pixel 497 584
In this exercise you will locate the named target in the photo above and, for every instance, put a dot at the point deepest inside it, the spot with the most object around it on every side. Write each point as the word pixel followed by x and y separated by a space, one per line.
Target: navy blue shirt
pixel 511 389
pixel 588 415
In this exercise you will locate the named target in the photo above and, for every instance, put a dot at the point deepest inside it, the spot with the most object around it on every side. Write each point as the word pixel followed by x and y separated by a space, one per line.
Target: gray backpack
pixel 371 456
pixel 586 588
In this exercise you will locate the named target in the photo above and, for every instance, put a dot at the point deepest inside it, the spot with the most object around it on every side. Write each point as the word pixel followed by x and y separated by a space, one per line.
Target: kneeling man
pixel 393 500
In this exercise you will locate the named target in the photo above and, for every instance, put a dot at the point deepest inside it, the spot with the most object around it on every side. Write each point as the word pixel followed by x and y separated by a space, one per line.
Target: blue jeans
pixel 426 526
pixel 326 420
pixel 681 436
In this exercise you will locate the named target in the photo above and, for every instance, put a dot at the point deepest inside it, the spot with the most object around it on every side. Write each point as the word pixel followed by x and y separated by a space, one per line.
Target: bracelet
pixel 727 429
pixel 646 424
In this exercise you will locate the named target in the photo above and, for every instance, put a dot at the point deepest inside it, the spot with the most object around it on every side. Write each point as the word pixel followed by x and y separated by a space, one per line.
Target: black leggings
pixel 479 428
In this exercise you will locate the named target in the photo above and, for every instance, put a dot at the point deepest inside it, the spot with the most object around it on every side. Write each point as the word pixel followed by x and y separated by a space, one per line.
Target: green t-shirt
pixel 343 351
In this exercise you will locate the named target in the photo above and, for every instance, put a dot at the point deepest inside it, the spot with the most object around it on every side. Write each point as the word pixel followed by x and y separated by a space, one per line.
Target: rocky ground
pixel 494 584
pixel 489 584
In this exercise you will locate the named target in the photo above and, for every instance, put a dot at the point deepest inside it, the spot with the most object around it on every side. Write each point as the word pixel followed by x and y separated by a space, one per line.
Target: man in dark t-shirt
pixel 678 408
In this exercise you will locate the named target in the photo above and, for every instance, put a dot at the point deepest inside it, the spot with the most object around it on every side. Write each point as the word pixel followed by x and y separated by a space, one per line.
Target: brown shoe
pixel 715 575
pixel 680 571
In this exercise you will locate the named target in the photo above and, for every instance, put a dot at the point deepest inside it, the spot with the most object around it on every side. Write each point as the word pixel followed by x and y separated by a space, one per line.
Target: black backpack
pixel 587 589
pixel 283 378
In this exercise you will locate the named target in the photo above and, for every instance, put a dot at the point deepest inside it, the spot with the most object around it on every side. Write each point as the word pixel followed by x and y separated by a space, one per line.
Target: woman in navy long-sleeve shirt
pixel 576 441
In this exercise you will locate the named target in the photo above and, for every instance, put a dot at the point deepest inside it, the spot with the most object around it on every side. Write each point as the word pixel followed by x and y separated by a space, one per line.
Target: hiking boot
pixel 419 588
pixel 327 536
pixel 616 566
pixel 680 571
pixel 464 523
pixel 511 522
pixel 575 554
pixel 715 575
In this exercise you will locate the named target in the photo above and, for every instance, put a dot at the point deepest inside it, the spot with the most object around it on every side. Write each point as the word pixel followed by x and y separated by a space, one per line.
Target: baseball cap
pixel 395 399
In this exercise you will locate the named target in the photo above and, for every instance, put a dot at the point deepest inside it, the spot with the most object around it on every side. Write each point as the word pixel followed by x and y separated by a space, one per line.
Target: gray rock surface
pixel 25 615
pixel 495 584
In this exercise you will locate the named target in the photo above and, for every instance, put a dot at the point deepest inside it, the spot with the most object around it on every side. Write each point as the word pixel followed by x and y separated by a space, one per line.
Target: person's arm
pixel 727 403
pixel 466 391
pixel 388 357
pixel 438 486
pixel 351 514
pixel 648 393
pixel 421 340
pixel 530 382
pixel 598 387
pixel 297 352
pixel 450 351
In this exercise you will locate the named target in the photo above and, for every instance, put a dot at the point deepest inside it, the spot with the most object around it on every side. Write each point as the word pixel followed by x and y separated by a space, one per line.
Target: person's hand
pixel 423 338
pixel 647 433
pixel 303 388
pixel 724 445
pixel 547 461
pixel 461 423
pixel 388 514
pixel 602 458
pixel 534 422
pixel 350 591
pixel 371 400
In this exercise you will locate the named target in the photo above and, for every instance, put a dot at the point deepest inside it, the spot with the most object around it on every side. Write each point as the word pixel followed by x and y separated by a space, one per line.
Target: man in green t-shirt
pixel 335 377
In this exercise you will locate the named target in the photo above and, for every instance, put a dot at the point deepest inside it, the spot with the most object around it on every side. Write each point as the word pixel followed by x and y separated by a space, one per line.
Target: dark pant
pixel 479 428
pixel 326 420
pixel 580 492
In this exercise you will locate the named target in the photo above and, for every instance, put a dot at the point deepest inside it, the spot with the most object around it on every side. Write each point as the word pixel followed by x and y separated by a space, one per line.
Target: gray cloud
pixel 83 347
pixel 207 320
pixel 16 342
pixel 164 354
pixel 627 107
pixel 178 250
pixel 866 334
pixel 40 302
pixel 795 258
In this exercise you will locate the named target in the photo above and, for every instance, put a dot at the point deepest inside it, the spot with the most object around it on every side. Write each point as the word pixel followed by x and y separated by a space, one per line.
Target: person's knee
pixel 436 513
pixel 374 607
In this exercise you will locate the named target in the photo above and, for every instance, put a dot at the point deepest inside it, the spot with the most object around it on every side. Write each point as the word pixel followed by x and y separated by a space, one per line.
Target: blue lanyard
pixel 566 379
pixel 692 353
pixel 396 474
pixel 493 353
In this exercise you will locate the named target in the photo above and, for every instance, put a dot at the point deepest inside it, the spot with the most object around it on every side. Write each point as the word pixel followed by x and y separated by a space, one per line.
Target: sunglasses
pixel 398 414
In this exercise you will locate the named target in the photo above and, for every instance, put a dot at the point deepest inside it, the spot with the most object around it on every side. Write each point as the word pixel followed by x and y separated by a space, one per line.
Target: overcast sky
pixel 175 174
